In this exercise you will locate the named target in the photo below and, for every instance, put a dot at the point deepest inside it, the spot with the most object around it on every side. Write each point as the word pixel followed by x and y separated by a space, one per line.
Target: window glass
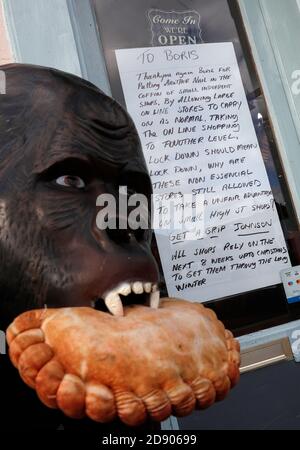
pixel 128 25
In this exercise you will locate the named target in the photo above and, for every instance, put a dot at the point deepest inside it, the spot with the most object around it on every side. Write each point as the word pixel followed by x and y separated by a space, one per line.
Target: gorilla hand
pixel 149 363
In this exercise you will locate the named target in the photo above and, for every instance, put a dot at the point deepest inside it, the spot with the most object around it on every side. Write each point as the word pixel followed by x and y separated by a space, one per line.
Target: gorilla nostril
pixel 121 233
pixel 120 236
pixel 140 234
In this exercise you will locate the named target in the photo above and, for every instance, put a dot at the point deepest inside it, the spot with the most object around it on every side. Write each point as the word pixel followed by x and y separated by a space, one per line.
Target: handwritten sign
pixel 190 108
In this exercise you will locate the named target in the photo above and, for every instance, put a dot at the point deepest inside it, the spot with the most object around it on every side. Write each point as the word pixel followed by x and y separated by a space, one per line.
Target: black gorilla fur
pixel 51 251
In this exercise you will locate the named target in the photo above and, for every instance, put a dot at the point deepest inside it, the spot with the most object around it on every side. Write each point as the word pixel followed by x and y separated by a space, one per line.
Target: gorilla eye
pixel 71 181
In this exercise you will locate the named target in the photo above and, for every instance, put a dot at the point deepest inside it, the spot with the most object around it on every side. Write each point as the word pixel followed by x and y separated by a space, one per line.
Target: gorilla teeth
pixel 114 304
pixel 124 289
pixel 137 287
pixel 155 298
pixel 147 287
pixel 113 300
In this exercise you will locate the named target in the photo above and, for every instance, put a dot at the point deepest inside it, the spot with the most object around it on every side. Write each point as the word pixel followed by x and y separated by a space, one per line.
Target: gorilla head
pixel 62 144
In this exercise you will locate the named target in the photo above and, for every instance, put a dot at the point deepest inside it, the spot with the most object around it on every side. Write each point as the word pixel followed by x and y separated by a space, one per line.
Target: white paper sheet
pixel 190 108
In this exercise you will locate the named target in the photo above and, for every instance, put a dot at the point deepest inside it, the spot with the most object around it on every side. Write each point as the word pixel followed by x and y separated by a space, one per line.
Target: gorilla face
pixel 62 144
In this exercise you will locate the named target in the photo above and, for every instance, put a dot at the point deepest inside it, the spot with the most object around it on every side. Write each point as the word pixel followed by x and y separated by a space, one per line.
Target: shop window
pixel 130 24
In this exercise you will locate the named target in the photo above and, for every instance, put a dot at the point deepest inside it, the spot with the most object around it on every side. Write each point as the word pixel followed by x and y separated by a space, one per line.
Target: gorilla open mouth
pixel 137 292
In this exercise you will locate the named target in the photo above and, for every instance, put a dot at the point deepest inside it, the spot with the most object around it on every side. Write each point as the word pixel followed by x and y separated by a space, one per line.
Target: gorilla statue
pixel 63 143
